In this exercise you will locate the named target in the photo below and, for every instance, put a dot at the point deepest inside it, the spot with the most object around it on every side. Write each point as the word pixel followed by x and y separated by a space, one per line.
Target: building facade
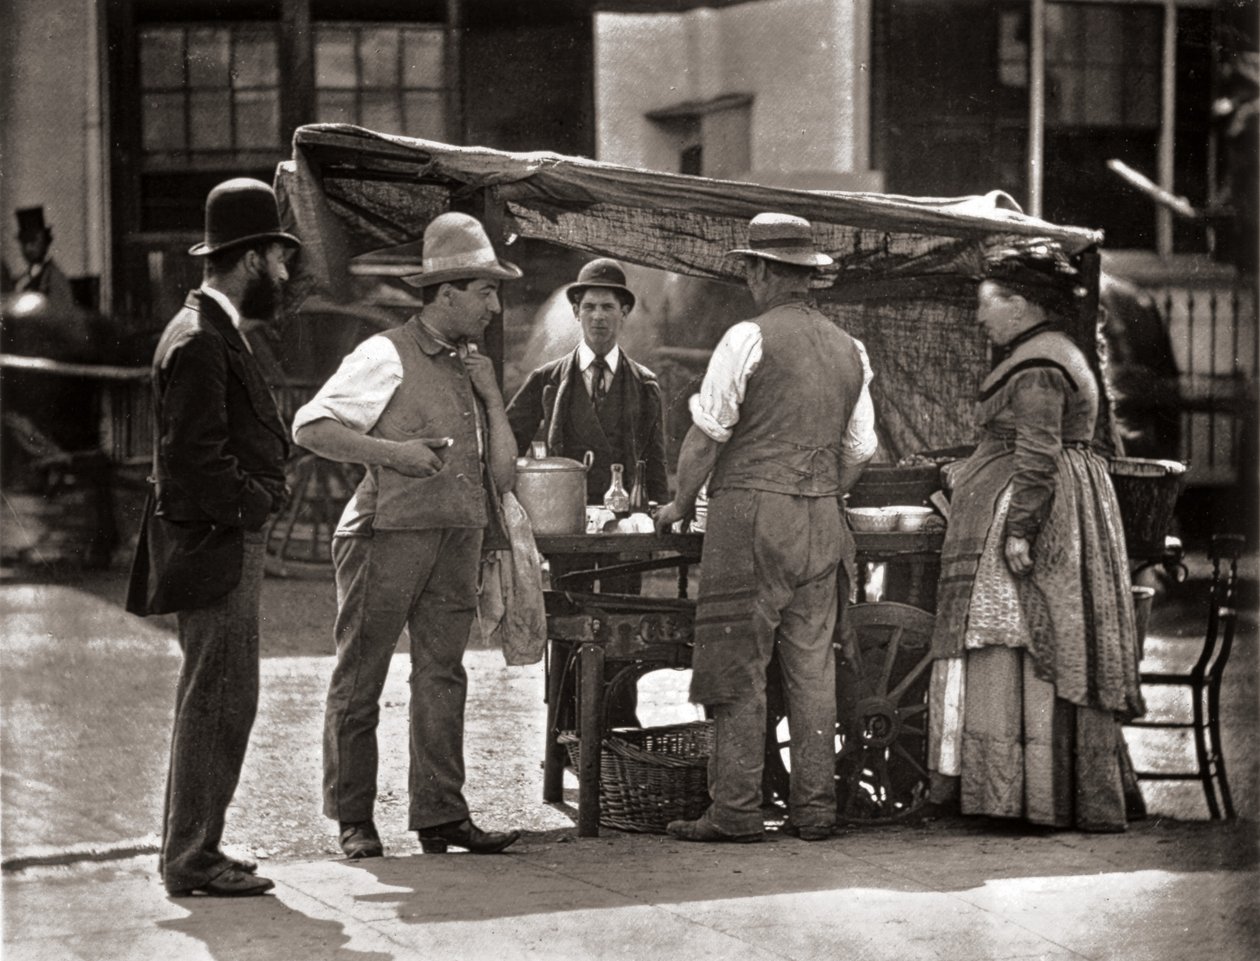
pixel 118 115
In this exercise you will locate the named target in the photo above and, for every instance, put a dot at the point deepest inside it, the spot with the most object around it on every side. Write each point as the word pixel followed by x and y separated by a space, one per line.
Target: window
pixel 711 138
pixel 1102 66
pixel 210 95
pixel 390 78
pixel 959 121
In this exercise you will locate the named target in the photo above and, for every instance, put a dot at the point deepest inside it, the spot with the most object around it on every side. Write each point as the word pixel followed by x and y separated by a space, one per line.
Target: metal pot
pixel 553 492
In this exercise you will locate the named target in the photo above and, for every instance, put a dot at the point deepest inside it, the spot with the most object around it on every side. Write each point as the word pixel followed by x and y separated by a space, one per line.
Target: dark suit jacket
pixel 547 392
pixel 219 453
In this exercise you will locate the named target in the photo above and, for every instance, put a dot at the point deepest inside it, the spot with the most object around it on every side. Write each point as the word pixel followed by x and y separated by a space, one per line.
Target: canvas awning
pixel 904 266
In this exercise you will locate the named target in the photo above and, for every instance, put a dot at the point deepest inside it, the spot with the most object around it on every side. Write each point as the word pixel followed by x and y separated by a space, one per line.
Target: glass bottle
pixel 615 498
pixel 638 490
pixel 700 514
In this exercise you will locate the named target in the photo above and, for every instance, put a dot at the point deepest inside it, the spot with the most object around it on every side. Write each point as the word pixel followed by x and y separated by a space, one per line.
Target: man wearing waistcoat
pixel 419 406
pixel 218 474
pixel 783 423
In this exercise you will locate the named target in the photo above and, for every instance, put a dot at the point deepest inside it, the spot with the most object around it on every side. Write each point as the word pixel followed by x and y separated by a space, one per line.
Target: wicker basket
pixel 1147 491
pixel 651 776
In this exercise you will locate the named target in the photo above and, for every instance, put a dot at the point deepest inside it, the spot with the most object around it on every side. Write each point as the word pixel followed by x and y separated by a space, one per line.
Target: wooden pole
pixel 1036 105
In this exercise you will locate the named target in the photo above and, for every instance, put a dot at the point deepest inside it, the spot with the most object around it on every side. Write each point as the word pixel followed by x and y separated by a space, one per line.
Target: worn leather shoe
pixel 464 834
pixel 702 829
pixel 244 865
pixel 807 832
pixel 359 840
pixel 230 884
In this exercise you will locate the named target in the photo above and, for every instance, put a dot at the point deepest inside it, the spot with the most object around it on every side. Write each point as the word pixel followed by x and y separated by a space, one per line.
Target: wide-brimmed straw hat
pixel 456 248
pixel 784 238
pixel 602 272
pixel 241 211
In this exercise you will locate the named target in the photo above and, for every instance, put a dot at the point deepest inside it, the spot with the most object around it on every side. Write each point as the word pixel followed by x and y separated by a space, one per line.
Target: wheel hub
pixel 878 722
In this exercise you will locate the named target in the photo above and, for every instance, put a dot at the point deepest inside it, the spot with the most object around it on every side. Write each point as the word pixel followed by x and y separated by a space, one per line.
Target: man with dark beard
pixel 218 474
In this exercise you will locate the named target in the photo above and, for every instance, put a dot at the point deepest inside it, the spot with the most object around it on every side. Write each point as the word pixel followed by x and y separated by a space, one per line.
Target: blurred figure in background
pixel 42 275
pixel 1141 371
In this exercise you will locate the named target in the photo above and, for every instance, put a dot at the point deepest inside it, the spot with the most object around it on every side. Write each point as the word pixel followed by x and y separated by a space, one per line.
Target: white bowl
pixel 871 519
pixel 912 518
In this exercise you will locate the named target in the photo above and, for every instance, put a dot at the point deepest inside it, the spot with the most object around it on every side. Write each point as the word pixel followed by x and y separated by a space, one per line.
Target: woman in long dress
pixel 1035 638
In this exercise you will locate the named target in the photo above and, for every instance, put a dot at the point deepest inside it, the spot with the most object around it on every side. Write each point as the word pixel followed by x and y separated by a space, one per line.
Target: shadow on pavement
pixel 553 871
pixel 231 929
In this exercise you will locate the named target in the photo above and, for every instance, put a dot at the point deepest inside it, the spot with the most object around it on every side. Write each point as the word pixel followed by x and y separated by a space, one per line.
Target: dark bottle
pixel 638 490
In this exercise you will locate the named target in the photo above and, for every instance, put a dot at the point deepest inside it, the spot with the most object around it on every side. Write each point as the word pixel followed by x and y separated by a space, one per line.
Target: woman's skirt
pixel 1027 712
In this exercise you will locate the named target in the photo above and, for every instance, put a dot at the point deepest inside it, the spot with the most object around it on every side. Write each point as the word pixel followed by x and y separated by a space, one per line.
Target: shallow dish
pixel 911 518
pixel 872 518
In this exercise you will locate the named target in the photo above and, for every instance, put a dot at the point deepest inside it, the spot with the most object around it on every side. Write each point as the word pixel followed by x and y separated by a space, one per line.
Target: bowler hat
pixel 30 222
pixel 602 272
pixel 456 248
pixel 241 211
pixel 784 238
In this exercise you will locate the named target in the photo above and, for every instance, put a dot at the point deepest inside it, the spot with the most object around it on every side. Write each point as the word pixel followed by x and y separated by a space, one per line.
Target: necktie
pixel 599 380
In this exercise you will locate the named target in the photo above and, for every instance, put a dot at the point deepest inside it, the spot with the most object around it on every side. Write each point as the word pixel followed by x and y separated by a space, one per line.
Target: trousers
pixel 794 543
pixel 215 704
pixel 424 581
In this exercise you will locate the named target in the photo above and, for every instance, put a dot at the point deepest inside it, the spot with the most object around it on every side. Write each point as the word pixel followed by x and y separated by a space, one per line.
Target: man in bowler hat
pixel 218 475
pixel 597 399
pixel 420 407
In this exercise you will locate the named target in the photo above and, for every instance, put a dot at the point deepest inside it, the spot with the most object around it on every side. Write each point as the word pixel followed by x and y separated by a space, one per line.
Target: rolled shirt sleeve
pixel 357 394
pixel 715 409
pixel 860 441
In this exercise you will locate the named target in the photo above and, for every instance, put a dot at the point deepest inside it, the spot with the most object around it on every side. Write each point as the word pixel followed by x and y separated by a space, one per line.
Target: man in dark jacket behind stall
pixel 597 399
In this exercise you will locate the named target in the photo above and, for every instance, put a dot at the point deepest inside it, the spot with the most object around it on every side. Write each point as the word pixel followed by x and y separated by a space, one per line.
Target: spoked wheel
pixel 299 540
pixel 881 716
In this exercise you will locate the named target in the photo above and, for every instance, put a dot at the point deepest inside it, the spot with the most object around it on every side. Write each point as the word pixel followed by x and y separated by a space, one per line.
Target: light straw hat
pixel 784 238
pixel 456 248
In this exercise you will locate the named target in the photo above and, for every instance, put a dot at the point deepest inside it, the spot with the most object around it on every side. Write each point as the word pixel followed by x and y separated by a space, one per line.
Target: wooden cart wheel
pixel 299 539
pixel 881 712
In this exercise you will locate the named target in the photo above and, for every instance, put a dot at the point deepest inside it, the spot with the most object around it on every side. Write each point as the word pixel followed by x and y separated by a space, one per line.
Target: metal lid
pixel 547 465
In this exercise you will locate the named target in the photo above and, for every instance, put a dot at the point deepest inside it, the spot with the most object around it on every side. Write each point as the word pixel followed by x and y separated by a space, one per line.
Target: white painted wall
pixel 804 61
pixel 50 129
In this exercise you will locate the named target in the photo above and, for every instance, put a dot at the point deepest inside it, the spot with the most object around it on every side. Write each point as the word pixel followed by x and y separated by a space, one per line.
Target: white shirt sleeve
pixel 357 394
pixel 715 410
pixel 860 441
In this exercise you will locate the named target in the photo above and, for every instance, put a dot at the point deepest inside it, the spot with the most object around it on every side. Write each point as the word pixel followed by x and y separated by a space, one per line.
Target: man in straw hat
pixel 218 474
pixel 783 423
pixel 420 407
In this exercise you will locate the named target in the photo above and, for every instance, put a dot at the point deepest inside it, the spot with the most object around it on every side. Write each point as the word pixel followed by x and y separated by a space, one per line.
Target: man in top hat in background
pixel 784 423
pixel 42 275
pixel 597 399
pixel 420 407
pixel 218 475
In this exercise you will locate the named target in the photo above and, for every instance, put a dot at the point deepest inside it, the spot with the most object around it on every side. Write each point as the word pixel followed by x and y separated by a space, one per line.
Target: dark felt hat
pixel 31 222
pixel 241 211
pixel 602 272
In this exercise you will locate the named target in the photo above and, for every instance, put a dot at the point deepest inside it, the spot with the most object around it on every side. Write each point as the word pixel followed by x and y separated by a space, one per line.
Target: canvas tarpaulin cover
pixel 903 283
